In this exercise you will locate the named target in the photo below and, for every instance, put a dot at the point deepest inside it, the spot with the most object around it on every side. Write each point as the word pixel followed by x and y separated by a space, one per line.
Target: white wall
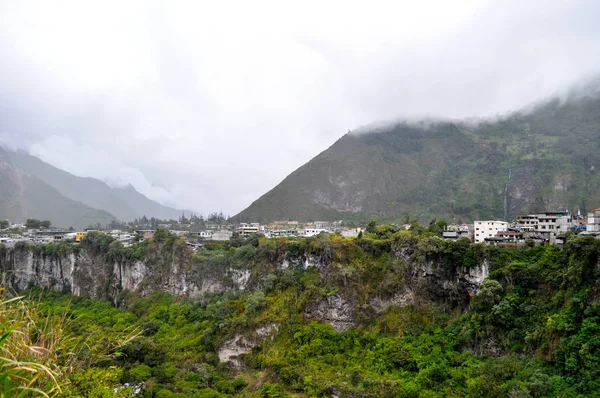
pixel 487 229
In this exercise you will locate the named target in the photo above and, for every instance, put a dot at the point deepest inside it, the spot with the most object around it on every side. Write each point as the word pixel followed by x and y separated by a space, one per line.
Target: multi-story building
pixel 487 229
pixel 547 225
pixel 593 221
pixel 462 230
pixel 221 234
pixel 247 229
pixel 527 223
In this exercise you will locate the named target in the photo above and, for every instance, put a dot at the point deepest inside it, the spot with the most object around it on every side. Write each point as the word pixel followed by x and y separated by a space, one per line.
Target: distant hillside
pixel 124 203
pixel 452 170
pixel 26 196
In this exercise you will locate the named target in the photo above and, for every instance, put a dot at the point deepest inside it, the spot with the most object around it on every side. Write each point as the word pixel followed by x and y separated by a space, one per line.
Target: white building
pixel 593 221
pixel 221 234
pixel 247 229
pixel 307 232
pixel 488 229
pixel 352 233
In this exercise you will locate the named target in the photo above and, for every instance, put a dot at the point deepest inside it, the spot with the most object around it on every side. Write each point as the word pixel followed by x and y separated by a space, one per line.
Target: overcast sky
pixel 206 105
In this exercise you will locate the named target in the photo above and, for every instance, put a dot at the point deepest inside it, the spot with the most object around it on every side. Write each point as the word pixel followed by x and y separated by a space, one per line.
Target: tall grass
pixel 28 350
pixel 38 352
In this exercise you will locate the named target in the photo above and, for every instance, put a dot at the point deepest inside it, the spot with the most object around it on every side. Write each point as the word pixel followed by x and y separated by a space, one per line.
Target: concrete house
pixel 488 229
pixel 221 234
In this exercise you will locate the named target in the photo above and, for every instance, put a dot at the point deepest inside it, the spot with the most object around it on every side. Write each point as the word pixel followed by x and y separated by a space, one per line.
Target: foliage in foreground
pixel 532 330
pixel 43 354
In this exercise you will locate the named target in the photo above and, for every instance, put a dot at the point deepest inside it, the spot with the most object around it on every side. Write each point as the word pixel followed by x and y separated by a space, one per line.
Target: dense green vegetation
pixel 453 170
pixel 532 330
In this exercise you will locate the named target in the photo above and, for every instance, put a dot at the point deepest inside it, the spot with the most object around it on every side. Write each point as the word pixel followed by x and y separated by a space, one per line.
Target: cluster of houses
pixel 56 235
pixel 545 227
pixel 292 229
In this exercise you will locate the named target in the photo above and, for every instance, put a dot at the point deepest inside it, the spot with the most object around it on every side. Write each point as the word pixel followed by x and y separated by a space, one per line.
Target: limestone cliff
pixel 418 272
pixel 83 271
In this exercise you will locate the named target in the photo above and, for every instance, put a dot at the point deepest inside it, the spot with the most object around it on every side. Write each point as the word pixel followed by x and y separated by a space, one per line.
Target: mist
pixel 208 106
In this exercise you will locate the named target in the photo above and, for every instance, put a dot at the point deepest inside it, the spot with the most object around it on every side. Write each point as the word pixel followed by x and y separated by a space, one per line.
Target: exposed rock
pixel 474 276
pixel 267 330
pixel 85 273
pixel 313 261
pixel 335 311
pixel 232 350
pixel 402 299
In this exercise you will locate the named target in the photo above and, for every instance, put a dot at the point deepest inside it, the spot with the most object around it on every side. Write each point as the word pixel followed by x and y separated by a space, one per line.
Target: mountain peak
pixel 122 201
pixel 451 169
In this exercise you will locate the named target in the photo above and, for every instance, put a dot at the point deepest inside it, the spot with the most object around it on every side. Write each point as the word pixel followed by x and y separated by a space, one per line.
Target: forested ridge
pixel 536 159
pixel 531 329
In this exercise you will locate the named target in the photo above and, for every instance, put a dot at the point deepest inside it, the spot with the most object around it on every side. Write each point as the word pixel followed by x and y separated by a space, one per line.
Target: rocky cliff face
pixel 83 271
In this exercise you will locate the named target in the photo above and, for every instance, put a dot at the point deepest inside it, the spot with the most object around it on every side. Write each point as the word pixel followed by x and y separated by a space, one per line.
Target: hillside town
pixel 545 227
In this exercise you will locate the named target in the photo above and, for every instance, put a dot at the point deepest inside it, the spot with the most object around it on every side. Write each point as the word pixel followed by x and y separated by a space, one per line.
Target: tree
pixel 372 227
pixel 4 224
pixel 32 223
pixel 417 228
pixel 437 227
pixel 182 219
pixel 161 235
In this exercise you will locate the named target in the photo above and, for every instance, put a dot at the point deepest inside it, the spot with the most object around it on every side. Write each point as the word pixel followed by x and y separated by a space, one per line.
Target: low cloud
pixel 208 106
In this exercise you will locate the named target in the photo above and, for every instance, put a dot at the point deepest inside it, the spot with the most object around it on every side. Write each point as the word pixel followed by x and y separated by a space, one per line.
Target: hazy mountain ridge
pixel 124 203
pixel 31 188
pixel 450 169
pixel 26 196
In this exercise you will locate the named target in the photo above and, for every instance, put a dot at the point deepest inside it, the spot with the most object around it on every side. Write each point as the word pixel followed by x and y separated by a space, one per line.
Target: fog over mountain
pixel 207 106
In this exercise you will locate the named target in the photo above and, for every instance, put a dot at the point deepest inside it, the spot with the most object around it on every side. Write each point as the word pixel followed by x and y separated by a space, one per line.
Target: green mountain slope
pixel 451 169
pixel 125 203
pixel 26 196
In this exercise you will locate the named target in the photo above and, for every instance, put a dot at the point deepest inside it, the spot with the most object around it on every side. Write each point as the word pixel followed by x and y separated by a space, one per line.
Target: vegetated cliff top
pixel 457 170
pixel 391 314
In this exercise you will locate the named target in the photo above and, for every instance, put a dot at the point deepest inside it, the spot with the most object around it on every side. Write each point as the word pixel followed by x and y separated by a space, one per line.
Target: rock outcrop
pixel 83 272
pixel 421 268
pixel 336 311
pixel 233 350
